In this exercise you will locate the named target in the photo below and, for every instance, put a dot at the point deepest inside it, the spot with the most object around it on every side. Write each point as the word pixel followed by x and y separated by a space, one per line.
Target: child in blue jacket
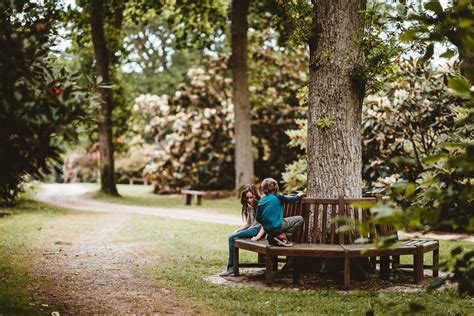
pixel 270 214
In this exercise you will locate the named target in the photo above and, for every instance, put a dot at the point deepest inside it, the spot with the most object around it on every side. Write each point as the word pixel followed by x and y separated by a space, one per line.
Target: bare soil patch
pixel 255 277
pixel 90 274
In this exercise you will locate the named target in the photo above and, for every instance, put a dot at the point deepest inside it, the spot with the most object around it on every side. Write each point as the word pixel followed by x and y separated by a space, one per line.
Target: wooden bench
pixel 189 196
pixel 324 240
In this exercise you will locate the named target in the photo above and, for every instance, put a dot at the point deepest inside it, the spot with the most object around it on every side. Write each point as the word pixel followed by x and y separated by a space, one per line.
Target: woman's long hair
pixel 243 199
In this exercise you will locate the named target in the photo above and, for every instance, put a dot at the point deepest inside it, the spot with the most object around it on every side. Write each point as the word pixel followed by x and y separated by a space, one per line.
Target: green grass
pixel 181 254
pixel 143 196
pixel 184 260
pixel 18 232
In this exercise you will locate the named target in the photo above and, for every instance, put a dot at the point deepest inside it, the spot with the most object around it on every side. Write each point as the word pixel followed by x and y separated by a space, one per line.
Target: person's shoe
pixel 278 241
pixel 227 272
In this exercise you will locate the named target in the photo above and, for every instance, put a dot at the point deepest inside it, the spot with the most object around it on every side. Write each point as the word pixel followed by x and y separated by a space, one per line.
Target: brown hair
pixel 246 188
pixel 269 186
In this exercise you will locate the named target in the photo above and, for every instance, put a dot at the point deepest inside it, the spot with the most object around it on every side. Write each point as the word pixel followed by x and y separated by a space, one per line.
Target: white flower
pixel 401 94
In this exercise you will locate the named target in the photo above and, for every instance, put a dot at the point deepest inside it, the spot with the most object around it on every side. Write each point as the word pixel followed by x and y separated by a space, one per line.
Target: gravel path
pixel 74 196
pixel 89 273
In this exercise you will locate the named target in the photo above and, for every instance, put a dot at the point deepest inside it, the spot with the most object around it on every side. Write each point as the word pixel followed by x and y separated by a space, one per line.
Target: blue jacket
pixel 270 210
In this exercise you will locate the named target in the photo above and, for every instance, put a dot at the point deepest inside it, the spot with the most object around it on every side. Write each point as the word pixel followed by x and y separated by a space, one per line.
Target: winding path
pixel 74 196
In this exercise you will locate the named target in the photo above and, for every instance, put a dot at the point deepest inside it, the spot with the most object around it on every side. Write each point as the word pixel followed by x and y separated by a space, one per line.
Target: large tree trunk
pixel 244 171
pixel 107 174
pixel 335 97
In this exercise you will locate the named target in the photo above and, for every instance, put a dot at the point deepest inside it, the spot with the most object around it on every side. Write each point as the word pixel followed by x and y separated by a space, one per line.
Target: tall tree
pixel 335 99
pixel 107 174
pixel 244 170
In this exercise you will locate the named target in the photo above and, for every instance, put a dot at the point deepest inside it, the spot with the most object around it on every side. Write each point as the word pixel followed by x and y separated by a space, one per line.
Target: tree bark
pixel 107 172
pixel 244 169
pixel 335 97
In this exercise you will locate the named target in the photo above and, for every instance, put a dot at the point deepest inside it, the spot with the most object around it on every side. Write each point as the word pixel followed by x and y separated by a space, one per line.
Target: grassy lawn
pixel 182 253
pixel 143 195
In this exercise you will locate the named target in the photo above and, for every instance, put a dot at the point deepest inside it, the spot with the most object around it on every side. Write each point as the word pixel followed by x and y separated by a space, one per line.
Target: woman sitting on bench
pixel 249 198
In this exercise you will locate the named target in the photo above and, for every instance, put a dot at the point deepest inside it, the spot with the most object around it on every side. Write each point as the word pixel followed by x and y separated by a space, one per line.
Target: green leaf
pixel 435 7
pixel 408 36
pixel 448 54
pixel 433 159
pixel 459 84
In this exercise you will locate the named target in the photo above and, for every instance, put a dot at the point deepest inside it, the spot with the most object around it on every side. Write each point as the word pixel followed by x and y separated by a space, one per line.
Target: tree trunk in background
pixel 335 152
pixel 107 173
pixel 244 171
pixel 466 56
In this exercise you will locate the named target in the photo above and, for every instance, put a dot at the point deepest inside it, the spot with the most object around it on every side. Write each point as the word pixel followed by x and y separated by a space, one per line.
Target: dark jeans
pixel 288 226
pixel 246 233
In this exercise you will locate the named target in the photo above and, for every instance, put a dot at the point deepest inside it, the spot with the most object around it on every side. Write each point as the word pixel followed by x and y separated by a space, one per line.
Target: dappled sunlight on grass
pixel 179 253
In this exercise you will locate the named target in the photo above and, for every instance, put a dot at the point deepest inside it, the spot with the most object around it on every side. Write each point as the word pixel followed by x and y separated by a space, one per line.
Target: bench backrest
pixel 324 228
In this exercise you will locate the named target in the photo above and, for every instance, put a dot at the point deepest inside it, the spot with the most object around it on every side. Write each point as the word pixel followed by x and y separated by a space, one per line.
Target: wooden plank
pixel 347 270
pixel 333 226
pixel 189 198
pixel 436 263
pixel 384 267
pixel 340 213
pixel 324 232
pixel 236 261
pixel 269 269
pixel 316 237
pixel 193 192
pixel 309 250
pixel 418 265
pixel 305 208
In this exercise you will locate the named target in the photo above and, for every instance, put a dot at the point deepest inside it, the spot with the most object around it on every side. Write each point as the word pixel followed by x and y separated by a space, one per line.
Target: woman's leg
pixel 246 233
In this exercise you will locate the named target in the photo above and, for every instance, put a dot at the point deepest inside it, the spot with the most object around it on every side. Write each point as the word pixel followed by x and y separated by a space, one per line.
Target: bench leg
pixel 373 262
pixel 385 267
pixel 296 270
pixel 275 263
pixel 269 269
pixel 199 199
pixel 236 262
pixel 347 271
pixel 188 199
pixel 395 261
pixel 418 265
pixel 261 258
pixel 436 263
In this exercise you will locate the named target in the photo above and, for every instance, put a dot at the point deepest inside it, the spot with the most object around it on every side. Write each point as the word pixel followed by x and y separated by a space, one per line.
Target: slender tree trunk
pixel 335 100
pixel 107 173
pixel 466 56
pixel 244 170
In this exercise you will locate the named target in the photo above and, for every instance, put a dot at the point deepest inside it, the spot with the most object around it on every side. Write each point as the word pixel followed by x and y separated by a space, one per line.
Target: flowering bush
pixel 406 122
pixel 41 102
pixel 192 131
pixel 80 166
pixel 402 125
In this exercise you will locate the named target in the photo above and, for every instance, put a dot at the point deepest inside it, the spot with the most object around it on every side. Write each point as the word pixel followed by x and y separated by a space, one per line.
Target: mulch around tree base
pixel 400 281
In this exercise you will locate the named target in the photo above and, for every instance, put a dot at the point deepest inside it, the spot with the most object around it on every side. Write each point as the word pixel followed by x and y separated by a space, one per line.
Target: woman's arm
pixel 259 235
pixel 244 226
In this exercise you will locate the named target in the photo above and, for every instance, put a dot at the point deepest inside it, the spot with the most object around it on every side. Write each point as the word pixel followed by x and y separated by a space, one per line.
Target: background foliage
pixel 41 102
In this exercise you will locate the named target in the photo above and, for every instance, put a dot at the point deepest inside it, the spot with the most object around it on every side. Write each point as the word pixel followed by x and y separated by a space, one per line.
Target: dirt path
pixel 74 196
pixel 92 274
